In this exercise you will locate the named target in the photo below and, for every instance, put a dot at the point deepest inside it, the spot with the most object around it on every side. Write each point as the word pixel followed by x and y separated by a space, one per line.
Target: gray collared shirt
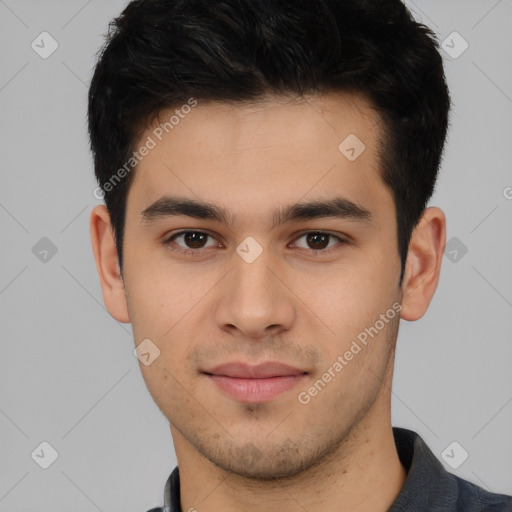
pixel 428 486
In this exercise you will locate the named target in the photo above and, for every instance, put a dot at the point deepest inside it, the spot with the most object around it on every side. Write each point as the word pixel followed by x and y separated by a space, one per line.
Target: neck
pixel 363 474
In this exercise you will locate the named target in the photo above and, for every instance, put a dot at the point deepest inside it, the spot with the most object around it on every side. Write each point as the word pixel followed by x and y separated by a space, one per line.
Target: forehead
pixel 273 119
pixel 274 148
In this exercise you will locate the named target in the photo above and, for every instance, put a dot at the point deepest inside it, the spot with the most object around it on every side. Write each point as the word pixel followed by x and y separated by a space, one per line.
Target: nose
pixel 255 299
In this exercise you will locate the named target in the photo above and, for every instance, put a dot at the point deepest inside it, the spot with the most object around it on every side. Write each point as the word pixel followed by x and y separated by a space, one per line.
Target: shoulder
pixel 472 498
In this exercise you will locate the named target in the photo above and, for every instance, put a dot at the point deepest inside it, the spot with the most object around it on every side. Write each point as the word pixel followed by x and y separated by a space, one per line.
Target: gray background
pixel 68 375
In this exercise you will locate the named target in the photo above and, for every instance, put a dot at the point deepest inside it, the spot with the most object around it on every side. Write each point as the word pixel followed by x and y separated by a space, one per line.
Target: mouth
pixel 255 384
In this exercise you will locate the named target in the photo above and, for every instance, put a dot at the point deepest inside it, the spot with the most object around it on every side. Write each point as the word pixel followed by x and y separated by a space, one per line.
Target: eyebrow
pixel 339 207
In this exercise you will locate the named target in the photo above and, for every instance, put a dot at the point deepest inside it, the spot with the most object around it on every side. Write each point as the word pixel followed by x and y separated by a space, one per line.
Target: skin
pixel 293 304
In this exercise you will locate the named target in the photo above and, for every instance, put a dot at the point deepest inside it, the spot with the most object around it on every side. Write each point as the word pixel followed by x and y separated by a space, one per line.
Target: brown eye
pixel 194 240
pixel 319 241
pixel 190 240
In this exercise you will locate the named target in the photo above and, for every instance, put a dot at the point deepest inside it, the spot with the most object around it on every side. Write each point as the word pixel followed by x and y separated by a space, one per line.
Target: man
pixel 266 167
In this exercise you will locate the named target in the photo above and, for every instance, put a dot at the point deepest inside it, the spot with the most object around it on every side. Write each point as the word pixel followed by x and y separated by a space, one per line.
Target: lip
pixel 259 371
pixel 256 384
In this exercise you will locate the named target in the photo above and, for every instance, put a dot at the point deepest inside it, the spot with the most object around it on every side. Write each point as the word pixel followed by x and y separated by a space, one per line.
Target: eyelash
pixel 168 240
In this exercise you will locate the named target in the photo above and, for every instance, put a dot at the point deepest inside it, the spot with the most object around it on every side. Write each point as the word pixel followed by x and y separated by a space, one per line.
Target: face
pixel 252 280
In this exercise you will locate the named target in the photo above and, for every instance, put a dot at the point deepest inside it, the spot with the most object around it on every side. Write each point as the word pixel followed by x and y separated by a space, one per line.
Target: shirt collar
pixel 428 486
pixel 172 502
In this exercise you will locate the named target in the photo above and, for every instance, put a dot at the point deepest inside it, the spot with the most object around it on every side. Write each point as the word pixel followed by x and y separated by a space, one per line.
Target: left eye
pixel 318 241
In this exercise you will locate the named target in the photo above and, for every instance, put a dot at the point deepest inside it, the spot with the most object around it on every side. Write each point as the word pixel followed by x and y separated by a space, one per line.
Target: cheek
pixel 163 386
pixel 161 295
pixel 352 298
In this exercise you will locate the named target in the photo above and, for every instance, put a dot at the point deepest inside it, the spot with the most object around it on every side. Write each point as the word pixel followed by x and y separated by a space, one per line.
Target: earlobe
pixel 423 266
pixel 107 264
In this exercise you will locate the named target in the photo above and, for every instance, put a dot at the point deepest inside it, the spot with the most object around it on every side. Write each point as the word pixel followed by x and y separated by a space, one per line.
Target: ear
pixel 423 265
pixel 107 264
